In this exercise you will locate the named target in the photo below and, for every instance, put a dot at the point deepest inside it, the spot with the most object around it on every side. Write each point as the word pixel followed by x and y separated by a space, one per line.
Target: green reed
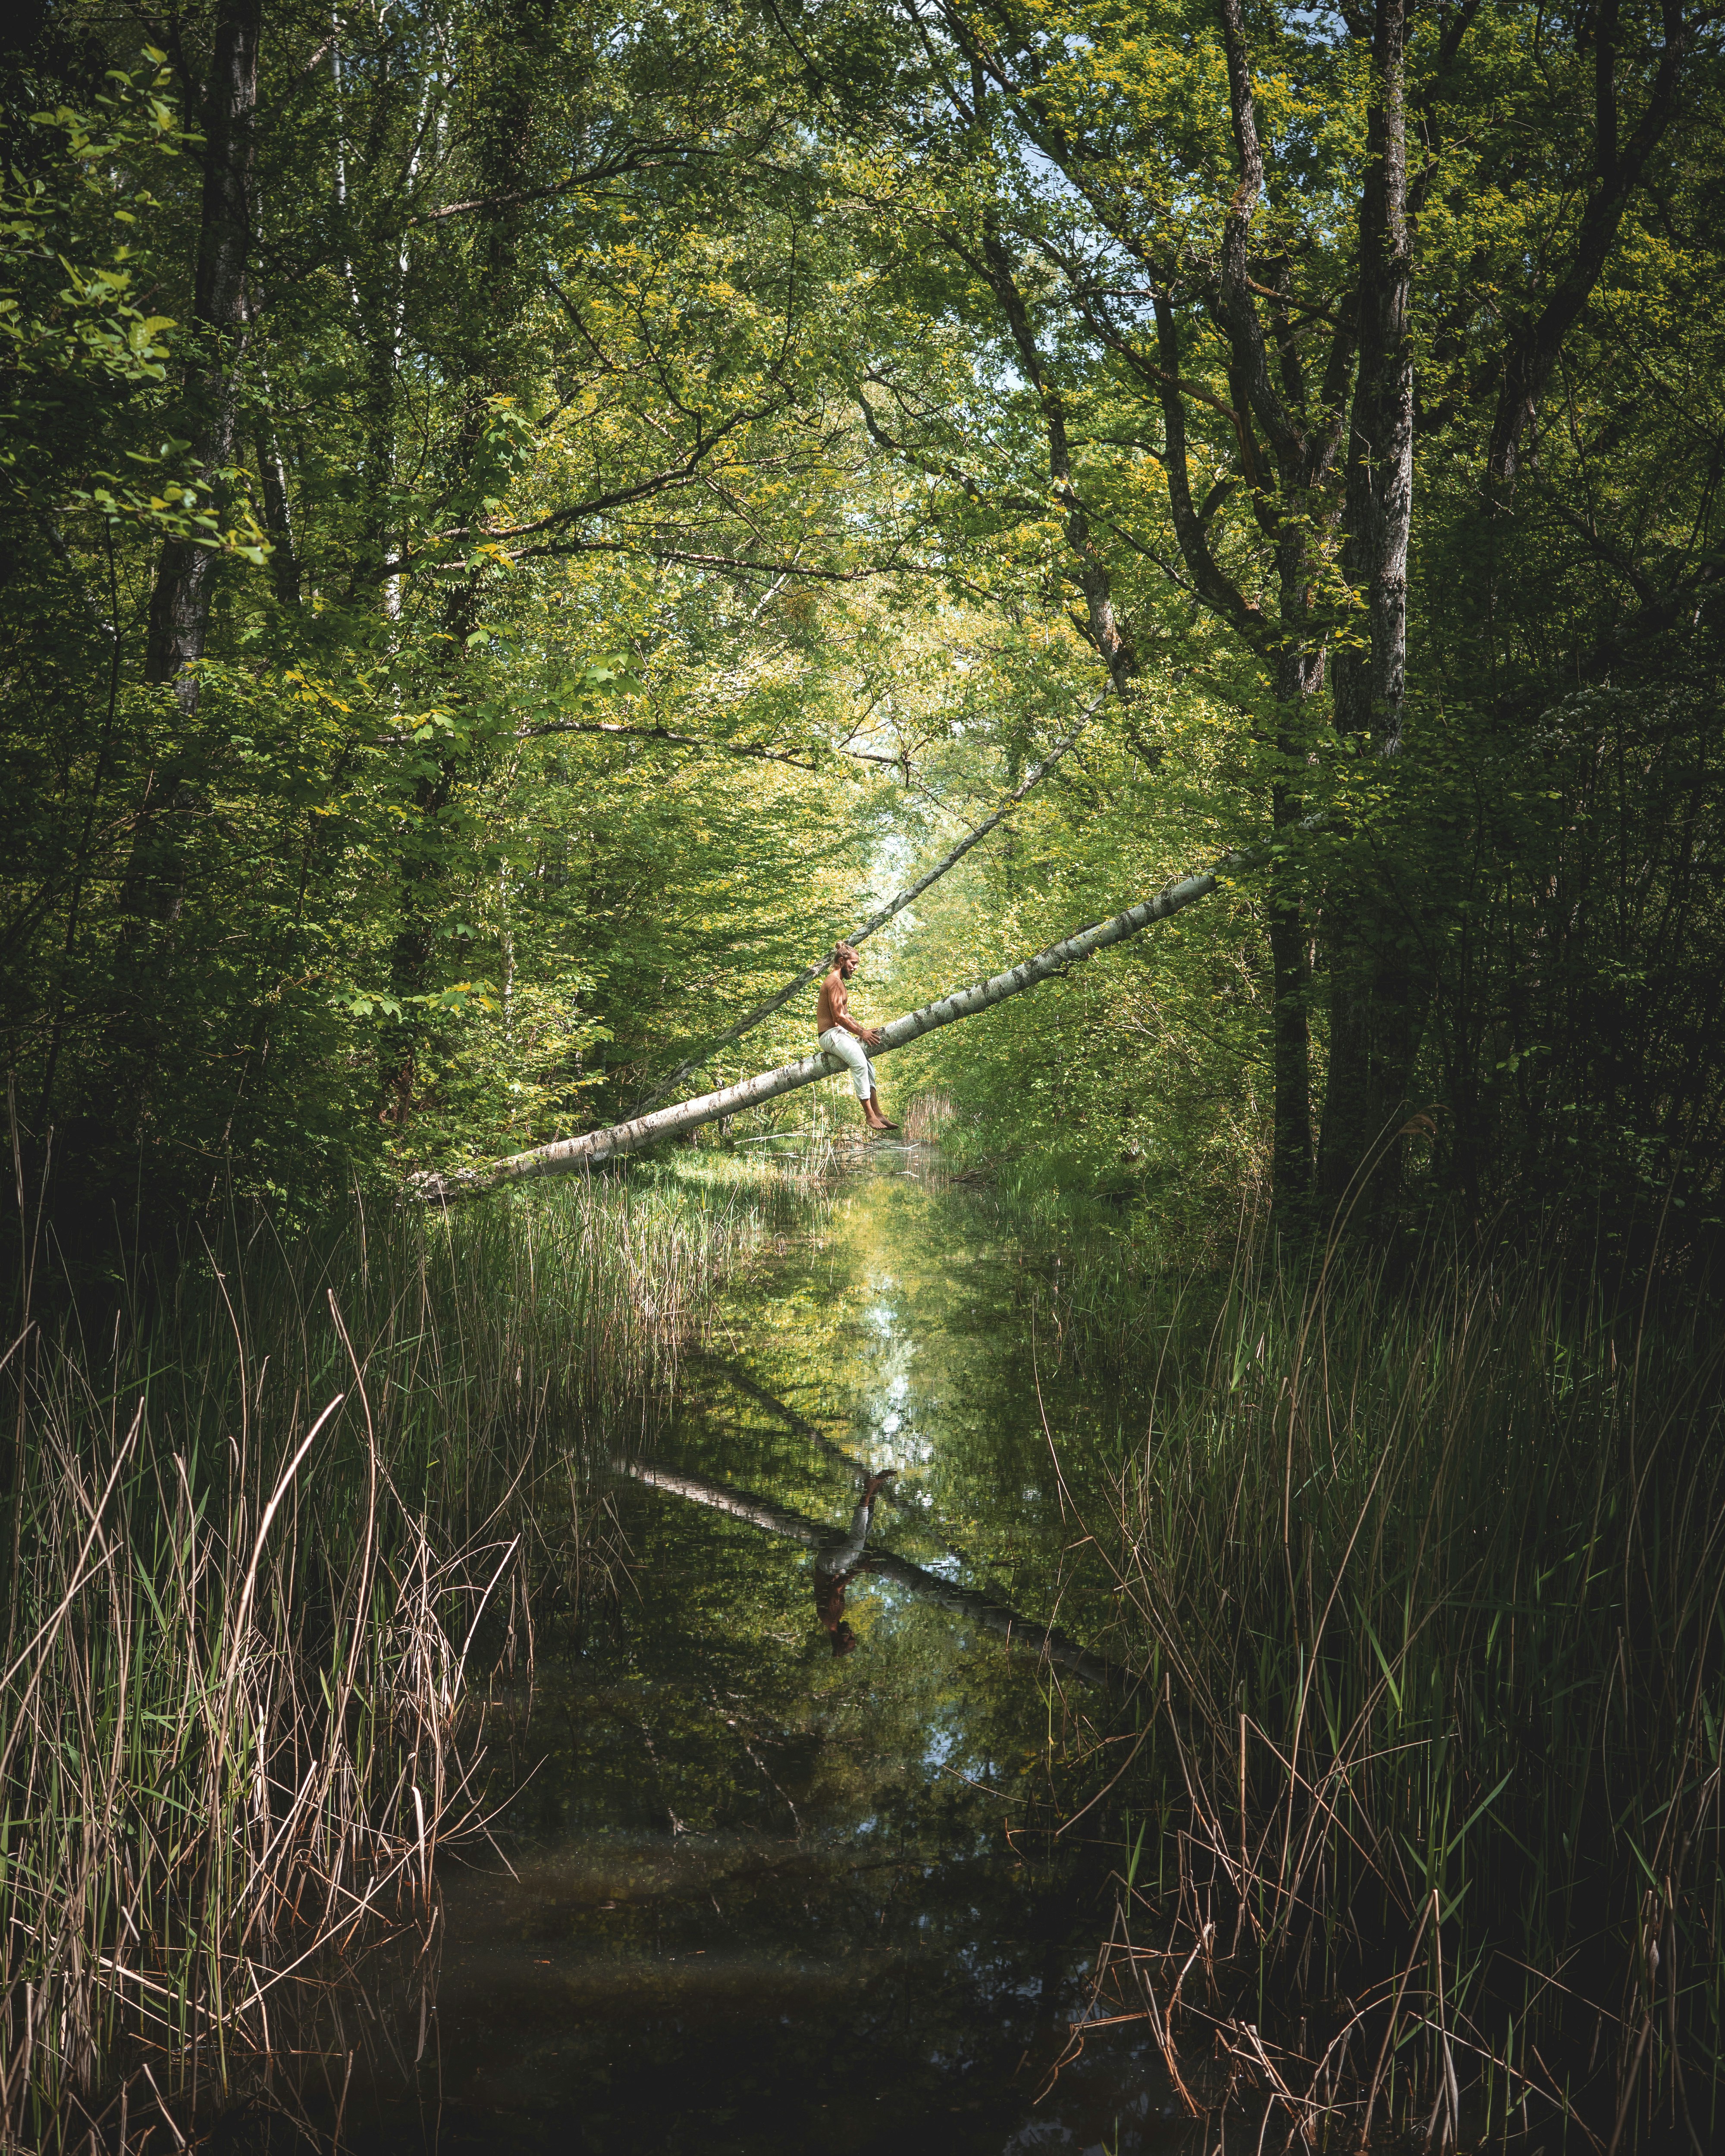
pixel 272 1516
pixel 1425 1587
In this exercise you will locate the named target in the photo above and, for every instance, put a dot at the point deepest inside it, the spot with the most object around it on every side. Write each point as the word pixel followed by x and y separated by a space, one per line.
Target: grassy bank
pixel 1425 1581
pixel 273 1516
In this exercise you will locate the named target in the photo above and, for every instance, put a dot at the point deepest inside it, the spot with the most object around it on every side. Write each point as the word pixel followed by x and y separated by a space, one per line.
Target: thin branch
pixel 757 751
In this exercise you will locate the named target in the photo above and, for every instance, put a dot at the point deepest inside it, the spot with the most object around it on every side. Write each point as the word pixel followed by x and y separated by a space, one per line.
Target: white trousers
pixel 850 1050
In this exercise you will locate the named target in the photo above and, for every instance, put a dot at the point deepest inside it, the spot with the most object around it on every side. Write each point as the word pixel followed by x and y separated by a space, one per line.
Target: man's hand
pixel 872 1036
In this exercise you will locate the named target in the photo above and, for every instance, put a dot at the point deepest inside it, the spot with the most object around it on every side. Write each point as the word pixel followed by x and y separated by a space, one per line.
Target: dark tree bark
pixel 179 604
pixel 1374 995
pixel 1370 683
pixel 1293 482
pixel 154 882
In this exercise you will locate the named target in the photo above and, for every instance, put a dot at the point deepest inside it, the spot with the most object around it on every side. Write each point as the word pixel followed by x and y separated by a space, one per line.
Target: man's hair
pixel 843 951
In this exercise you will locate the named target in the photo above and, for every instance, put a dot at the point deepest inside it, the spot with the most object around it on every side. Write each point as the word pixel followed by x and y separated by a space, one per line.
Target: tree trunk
pixel 1373 992
pixel 588 1151
pixel 278 508
pixel 179 604
pixel 1530 355
pixel 489 359
pixel 154 886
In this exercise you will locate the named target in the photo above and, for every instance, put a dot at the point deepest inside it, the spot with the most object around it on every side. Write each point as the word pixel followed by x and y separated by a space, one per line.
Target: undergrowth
pixel 273 1516
pixel 1423 1585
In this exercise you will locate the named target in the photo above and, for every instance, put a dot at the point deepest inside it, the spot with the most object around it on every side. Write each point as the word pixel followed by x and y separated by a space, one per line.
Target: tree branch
pixel 1532 349
pixel 757 751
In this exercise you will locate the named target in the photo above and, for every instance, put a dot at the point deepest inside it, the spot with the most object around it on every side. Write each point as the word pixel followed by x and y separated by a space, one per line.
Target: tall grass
pixel 1425 1583
pixel 271 1516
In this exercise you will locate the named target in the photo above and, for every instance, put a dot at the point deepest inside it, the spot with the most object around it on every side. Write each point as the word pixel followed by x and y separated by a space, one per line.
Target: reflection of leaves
pixel 905 1315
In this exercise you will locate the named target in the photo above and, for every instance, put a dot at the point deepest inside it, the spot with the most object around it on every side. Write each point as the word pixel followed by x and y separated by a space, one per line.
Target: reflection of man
pixel 835 1568
pixel 840 1035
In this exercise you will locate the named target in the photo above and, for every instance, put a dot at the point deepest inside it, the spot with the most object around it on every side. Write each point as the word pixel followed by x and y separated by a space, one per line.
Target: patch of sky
pixel 1324 26
pixel 1044 181
pixel 938 1747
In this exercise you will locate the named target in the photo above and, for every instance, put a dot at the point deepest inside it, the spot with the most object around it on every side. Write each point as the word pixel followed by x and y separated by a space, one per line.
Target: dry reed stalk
pixel 241 1629
pixel 1430 1584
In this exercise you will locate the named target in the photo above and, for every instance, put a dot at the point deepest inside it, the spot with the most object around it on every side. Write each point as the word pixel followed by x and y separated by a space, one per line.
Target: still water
pixel 786 1875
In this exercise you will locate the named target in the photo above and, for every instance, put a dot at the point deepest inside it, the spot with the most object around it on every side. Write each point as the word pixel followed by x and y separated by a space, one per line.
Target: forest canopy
pixel 522 522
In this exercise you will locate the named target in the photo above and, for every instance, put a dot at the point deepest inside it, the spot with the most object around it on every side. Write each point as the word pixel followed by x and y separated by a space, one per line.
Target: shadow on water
pixel 785 1874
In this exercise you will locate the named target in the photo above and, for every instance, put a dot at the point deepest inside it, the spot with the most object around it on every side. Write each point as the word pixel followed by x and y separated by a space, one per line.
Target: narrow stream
pixel 786 1877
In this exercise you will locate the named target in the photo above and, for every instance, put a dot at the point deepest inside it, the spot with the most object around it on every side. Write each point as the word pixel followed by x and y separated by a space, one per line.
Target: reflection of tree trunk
pixel 854 1469
pixel 1372 991
pixel 1044 1640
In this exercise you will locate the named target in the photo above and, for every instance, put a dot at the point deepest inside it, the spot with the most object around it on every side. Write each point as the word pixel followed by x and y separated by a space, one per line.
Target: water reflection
pixel 767 1894
pixel 840 1557
pixel 835 1568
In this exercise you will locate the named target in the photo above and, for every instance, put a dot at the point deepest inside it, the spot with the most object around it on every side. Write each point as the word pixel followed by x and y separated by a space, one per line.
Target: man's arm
pixel 868 1035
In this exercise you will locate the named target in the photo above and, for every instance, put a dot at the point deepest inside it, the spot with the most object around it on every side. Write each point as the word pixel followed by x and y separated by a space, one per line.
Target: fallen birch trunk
pixel 594 1146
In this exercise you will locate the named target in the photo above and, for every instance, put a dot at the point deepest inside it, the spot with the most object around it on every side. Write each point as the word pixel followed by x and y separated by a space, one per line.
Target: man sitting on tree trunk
pixel 840 1035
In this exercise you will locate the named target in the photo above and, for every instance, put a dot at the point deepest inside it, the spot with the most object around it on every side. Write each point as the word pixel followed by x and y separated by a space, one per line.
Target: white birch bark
pixel 594 1147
